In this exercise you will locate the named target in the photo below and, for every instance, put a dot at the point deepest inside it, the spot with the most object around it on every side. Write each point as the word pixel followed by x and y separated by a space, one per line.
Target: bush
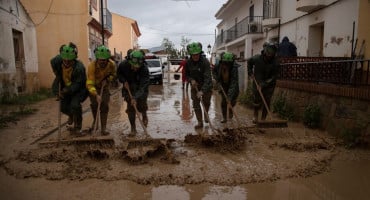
pixel 312 116
pixel 280 106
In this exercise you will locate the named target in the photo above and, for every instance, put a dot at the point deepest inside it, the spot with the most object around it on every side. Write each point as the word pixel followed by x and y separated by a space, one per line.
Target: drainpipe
pixel 353 39
pixel 102 20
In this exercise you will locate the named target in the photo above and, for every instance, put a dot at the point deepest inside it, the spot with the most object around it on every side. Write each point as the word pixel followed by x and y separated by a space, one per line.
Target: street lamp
pixel 209 48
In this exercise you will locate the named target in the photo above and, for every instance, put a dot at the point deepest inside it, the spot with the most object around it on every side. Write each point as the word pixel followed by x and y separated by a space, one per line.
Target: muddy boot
pixel 183 84
pixel 255 116
pixel 264 114
pixel 94 121
pixel 131 117
pixel 70 120
pixel 145 119
pixel 198 114
pixel 77 121
pixel 103 121
pixel 224 114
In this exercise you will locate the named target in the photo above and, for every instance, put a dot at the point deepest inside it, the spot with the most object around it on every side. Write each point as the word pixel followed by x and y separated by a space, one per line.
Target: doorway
pixel 316 40
pixel 19 61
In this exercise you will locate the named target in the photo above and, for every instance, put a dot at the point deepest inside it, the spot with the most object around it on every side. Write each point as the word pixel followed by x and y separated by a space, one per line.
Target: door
pixel 19 61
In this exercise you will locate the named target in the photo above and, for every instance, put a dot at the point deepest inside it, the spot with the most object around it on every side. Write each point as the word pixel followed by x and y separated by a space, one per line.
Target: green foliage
pixel 312 116
pixel 26 99
pixel 21 101
pixel 281 106
pixel 246 98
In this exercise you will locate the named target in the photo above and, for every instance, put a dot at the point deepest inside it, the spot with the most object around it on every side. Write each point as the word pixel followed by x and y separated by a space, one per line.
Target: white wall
pixel 16 19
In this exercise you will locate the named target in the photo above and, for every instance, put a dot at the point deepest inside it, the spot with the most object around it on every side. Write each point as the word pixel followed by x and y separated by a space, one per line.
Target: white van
pixel 155 70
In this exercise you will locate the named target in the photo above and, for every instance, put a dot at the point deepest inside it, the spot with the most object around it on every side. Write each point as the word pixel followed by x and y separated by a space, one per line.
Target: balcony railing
pixel 107 20
pixel 340 72
pixel 249 25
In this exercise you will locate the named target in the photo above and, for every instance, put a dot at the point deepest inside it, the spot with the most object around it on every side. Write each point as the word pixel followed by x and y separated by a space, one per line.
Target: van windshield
pixel 153 63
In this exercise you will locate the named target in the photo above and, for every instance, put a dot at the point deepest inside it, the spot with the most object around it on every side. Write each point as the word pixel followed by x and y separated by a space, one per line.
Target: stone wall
pixel 341 116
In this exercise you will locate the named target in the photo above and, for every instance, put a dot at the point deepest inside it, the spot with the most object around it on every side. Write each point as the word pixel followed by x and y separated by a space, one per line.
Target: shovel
pixel 271 123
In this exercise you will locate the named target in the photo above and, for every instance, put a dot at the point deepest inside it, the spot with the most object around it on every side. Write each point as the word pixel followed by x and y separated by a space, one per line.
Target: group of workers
pixel 72 85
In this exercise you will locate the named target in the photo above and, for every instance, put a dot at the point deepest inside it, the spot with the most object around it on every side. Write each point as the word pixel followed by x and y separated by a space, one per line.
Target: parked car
pixel 155 70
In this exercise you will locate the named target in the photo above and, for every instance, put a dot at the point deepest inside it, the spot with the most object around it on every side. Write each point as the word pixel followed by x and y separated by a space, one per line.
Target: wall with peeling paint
pixel 14 17
pixel 335 22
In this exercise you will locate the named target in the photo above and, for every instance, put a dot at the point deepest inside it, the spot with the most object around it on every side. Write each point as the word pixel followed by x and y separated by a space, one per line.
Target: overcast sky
pixel 172 19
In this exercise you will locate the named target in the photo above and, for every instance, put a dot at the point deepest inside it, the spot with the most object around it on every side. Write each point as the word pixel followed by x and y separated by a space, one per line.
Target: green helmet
pixel 136 58
pixel 194 48
pixel 68 53
pixel 227 57
pixel 102 52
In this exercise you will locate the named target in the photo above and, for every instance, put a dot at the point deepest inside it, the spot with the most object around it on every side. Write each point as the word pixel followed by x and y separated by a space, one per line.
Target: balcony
pixel 107 15
pixel 249 25
pixel 310 5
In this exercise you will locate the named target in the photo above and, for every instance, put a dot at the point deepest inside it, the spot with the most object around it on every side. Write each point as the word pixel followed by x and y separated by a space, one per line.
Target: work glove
pixel 110 78
pixel 98 98
pixel 133 102
pixel 193 82
pixel 126 85
pixel 263 84
pixel 199 94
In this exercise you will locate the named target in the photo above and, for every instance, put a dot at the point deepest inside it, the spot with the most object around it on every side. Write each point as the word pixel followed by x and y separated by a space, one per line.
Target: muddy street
pixel 289 163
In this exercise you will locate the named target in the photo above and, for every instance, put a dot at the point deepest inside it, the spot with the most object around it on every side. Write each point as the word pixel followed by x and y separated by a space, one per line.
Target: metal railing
pixel 341 72
pixel 249 25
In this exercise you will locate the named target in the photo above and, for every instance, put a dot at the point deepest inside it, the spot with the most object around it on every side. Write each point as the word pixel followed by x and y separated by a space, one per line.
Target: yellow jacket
pixel 96 74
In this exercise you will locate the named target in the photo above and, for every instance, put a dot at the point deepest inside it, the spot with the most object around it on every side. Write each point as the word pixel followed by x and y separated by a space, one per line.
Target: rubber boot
pixel 70 120
pixel 224 115
pixel 103 121
pixel 77 121
pixel 255 115
pixel 198 114
pixel 94 115
pixel 145 119
pixel 131 117
pixel 264 114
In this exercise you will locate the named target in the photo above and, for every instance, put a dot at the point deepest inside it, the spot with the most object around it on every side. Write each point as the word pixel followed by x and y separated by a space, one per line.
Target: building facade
pixel 125 36
pixel 59 22
pixel 18 50
pixel 318 28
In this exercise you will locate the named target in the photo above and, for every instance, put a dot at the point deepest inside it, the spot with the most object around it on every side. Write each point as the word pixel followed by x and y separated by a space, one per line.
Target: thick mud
pixel 173 152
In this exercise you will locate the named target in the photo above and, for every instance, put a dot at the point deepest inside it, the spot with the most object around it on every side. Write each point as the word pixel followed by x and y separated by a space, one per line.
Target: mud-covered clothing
pixel 95 77
pixel 266 73
pixel 139 85
pixel 72 81
pixel 96 74
pixel 228 78
pixel 200 71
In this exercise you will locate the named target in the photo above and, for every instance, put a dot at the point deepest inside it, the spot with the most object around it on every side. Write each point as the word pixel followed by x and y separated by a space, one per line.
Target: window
pixel 251 13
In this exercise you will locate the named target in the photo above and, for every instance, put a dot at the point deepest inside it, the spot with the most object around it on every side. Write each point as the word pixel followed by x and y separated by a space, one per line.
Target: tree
pixel 169 47
pixel 184 42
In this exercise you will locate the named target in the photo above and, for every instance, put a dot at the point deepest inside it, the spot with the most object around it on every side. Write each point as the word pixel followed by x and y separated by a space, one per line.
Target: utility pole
pixel 102 20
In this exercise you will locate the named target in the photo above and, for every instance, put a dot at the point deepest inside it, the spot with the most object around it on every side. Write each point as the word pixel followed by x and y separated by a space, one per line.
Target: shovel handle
pixel 97 117
pixel 229 105
pixel 262 97
pixel 137 112
pixel 205 111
